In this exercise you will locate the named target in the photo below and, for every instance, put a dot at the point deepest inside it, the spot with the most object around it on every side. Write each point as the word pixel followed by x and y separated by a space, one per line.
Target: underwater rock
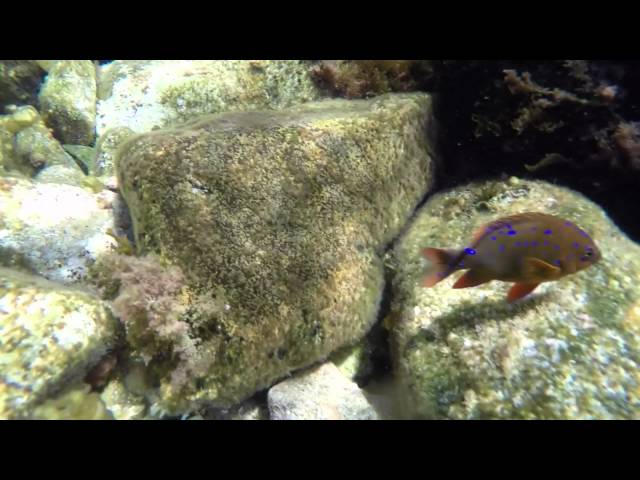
pixel 121 403
pixel 51 336
pixel 570 350
pixel 28 147
pixel 354 361
pixel 61 174
pixel 26 144
pixel 322 393
pixel 277 220
pixel 68 101
pixel 19 82
pixel 55 229
pixel 144 95
pixel 84 156
pixel 36 147
pixel 18 118
pixel 76 403
pixel 106 149
pixel 254 408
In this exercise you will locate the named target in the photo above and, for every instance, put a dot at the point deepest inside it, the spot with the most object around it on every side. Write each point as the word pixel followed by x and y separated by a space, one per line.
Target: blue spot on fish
pixel 556 262
pixel 525 244
pixel 548 232
pixel 567 224
pixel 512 232
pixel 575 245
pixel 501 248
pixel 556 247
pixel 469 251
pixel 545 243
pixel 494 238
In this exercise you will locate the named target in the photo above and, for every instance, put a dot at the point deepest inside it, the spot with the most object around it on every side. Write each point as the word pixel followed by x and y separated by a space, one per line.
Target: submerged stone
pixel 56 230
pixel 277 220
pixel 143 95
pixel 49 337
pixel 322 393
pixel 19 82
pixel 570 350
pixel 68 101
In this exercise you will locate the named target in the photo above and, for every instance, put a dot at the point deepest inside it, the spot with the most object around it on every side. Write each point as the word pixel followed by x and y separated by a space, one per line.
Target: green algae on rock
pixel 28 148
pixel 121 403
pixel 84 156
pixel 76 403
pixel 68 101
pixel 569 351
pixel 144 95
pixel 50 336
pixel 107 146
pixel 280 217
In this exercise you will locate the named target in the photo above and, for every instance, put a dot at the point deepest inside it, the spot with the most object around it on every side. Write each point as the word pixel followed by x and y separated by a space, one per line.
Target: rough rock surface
pixel 68 101
pixel 278 220
pixel 49 336
pixel 569 351
pixel 144 95
pixel 55 230
pixel 322 393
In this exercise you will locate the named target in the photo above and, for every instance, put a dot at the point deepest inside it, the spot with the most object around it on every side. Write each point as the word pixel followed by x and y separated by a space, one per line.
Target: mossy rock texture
pixel 49 337
pixel 282 217
pixel 143 95
pixel 68 101
pixel 27 146
pixel 570 350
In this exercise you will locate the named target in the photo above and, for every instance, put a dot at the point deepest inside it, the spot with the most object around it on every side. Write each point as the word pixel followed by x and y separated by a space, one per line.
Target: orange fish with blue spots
pixel 526 249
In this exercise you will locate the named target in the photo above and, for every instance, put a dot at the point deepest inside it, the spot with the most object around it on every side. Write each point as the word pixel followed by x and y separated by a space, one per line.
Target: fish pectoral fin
pixel 471 279
pixel 534 268
pixel 520 290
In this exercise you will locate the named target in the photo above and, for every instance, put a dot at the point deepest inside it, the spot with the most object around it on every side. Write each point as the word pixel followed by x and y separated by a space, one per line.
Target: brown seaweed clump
pixel 366 78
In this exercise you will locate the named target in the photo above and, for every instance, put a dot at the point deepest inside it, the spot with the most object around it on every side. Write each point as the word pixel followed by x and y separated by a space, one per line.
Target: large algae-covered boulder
pixel 49 336
pixel 143 95
pixel 53 230
pixel 68 101
pixel 277 220
pixel 570 350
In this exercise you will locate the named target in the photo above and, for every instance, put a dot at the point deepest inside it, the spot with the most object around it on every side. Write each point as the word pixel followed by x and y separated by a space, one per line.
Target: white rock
pixel 55 228
pixel 322 393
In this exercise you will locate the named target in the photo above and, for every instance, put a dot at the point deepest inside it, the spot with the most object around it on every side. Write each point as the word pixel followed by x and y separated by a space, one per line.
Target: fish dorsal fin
pixel 500 223
pixel 536 269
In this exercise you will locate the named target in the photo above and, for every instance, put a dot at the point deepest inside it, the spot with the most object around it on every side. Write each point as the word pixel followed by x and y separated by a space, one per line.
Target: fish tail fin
pixel 442 264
